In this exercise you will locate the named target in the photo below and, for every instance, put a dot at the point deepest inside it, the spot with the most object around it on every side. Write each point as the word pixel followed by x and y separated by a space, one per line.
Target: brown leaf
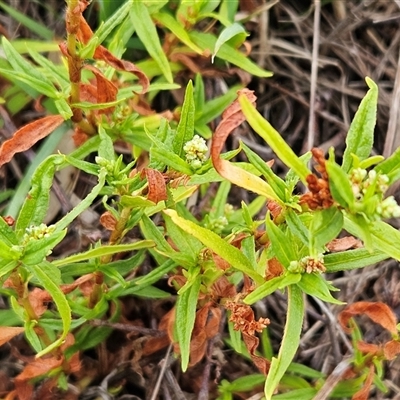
pixel 274 269
pixel 38 299
pixel 391 349
pixel 35 369
pixel 251 343
pixel 8 332
pixel 106 91
pixel 108 221
pixel 206 326
pixel 369 348
pixel 363 393
pixel 101 53
pixel 380 313
pixel 343 244
pixel 231 119
pixel 28 135
pixel 157 189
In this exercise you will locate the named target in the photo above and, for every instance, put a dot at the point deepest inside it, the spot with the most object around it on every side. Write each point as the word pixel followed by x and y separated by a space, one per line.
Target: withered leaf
pixel 380 313
pixel 157 187
pixel 101 53
pixel 8 332
pixel 28 135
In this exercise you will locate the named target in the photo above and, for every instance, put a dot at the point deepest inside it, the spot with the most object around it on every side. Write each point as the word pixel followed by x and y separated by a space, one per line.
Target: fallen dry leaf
pixel 380 313
pixel 28 135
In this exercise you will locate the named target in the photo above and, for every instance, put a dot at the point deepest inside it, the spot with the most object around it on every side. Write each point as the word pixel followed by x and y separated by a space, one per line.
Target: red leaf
pixel 157 188
pixel 106 91
pixel 369 348
pixel 391 349
pixel 8 332
pixel 36 368
pixel 101 53
pixel 251 343
pixel 380 313
pixel 28 135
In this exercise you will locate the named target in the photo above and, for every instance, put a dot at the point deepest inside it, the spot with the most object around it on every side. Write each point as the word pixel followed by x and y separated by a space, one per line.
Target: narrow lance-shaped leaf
pixel 147 33
pixel 28 135
pixel 59 299
pixel 185 318
pixel 185 129
pixel 228 252
pixel 227 34
pixel 360 137
pixel 352 259
pixel 290 341
pixel 35 206
pixel 273 138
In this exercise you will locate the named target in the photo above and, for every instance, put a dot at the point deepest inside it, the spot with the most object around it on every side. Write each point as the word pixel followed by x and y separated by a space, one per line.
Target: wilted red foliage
pixel 28 135
pixel 319 195
pixel 378 312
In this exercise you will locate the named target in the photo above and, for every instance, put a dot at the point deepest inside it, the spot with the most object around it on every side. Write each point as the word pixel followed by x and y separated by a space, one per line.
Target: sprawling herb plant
pixel 206 257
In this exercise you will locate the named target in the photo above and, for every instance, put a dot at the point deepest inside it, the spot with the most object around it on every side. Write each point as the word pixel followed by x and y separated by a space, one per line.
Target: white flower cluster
pixel 38 232
pixel 369 183
pixel 196 150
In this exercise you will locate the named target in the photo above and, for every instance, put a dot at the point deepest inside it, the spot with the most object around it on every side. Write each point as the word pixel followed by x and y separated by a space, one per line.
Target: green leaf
pixel 315 285
pixel 290 341
pixel 110 23
pixel 210 239
pixel 7 266
pixel 172 160
pixel 32 336
pixel 325 226
pixel 386 238
pixel 273 139
pixel 7 235
pixel 360 137
pixel 35 207
pixel 227 34
pixel 187 244
pixel 150 231
pixel 390 167
pixel 297 227
pixel 185 318
pixel 282 246
pixel 269 287
pixel 147 33
pixel 177 29
pixel 339 185
pixel 40 86
pixel 37 250
pixel 106 147
pixel 278 185
pixel 207 42
pixel 185 129
pixel 352 259
pixel 104 251
pixel 59 299
pixel 63 108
